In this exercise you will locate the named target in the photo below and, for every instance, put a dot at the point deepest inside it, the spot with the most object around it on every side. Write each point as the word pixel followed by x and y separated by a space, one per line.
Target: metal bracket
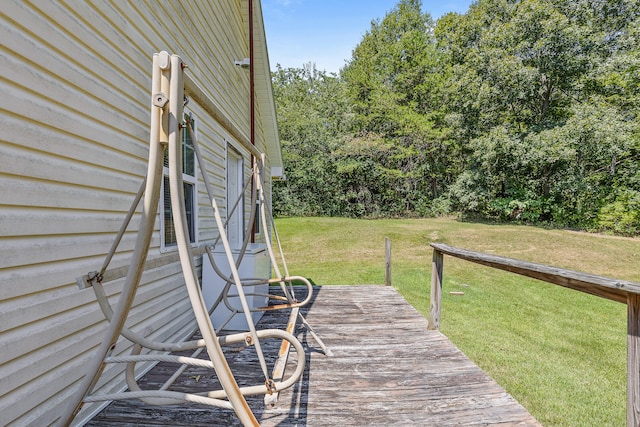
pixel 160 100
pixel 86 281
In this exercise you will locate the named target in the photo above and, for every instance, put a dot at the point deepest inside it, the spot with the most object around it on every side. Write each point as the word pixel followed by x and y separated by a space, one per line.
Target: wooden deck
pixel 386 369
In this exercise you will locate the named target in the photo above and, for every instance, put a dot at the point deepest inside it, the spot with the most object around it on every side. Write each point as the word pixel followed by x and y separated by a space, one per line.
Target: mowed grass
pixel 560 353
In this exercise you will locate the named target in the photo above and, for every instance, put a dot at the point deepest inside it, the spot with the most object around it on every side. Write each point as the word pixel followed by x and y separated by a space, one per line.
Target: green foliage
pixel 518 110
pixel 312 117
pixel 546 105
pixel 622 216
pixel 395 82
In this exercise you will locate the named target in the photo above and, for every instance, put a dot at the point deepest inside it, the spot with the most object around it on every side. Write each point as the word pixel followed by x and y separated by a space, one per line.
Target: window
pixel 235 184
pixel 168 231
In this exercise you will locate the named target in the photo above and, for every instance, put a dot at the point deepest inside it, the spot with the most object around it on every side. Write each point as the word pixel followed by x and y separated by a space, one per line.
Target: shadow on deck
pixel 386 369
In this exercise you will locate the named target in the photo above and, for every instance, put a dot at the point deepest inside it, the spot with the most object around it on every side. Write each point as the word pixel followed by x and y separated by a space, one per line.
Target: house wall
pixel 75 82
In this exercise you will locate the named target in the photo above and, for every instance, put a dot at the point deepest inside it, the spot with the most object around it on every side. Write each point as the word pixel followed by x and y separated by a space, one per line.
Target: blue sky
pixel 326 31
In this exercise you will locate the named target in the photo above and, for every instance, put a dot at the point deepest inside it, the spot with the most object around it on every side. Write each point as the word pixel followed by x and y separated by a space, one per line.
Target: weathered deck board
pixel 387 369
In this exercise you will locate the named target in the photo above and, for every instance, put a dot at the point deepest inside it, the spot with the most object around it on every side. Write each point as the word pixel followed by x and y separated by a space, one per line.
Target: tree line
pixel 521 110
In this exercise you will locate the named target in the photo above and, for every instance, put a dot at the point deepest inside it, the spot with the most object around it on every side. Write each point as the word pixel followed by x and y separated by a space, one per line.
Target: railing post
pixel 633 360
pixel 387 247
pixel 435 302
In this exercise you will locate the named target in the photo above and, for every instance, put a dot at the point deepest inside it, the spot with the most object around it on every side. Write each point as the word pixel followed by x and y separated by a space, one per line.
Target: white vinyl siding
pixel 75 83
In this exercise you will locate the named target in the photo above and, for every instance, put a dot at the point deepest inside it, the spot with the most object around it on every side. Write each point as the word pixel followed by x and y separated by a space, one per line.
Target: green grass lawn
pixel 560 353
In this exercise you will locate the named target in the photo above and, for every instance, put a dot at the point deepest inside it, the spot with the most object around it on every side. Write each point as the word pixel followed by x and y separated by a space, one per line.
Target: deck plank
pixel 387 369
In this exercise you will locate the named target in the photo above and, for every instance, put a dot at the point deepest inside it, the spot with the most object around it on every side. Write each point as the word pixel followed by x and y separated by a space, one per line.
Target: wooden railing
pixel 612 289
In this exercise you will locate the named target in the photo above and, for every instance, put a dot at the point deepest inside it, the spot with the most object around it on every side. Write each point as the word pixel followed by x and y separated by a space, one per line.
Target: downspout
pixel 252 72
pixel 252 115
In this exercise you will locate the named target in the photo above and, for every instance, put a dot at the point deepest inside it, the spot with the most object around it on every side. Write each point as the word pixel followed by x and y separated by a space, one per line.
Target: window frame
pixel 189 181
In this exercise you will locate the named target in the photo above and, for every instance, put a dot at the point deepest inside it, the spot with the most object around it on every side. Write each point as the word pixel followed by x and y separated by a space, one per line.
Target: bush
pixel 622 216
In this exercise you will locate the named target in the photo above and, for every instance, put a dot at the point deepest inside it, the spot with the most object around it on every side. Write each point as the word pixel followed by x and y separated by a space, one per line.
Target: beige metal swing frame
pixel 170 83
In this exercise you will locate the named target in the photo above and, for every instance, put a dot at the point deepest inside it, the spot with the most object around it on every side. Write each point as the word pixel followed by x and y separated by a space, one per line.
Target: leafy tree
pixel 312 116
pixel 395 80
pixel 544 91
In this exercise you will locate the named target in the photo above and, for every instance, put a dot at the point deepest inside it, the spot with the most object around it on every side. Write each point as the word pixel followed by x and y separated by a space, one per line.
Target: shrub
pixel 622 216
